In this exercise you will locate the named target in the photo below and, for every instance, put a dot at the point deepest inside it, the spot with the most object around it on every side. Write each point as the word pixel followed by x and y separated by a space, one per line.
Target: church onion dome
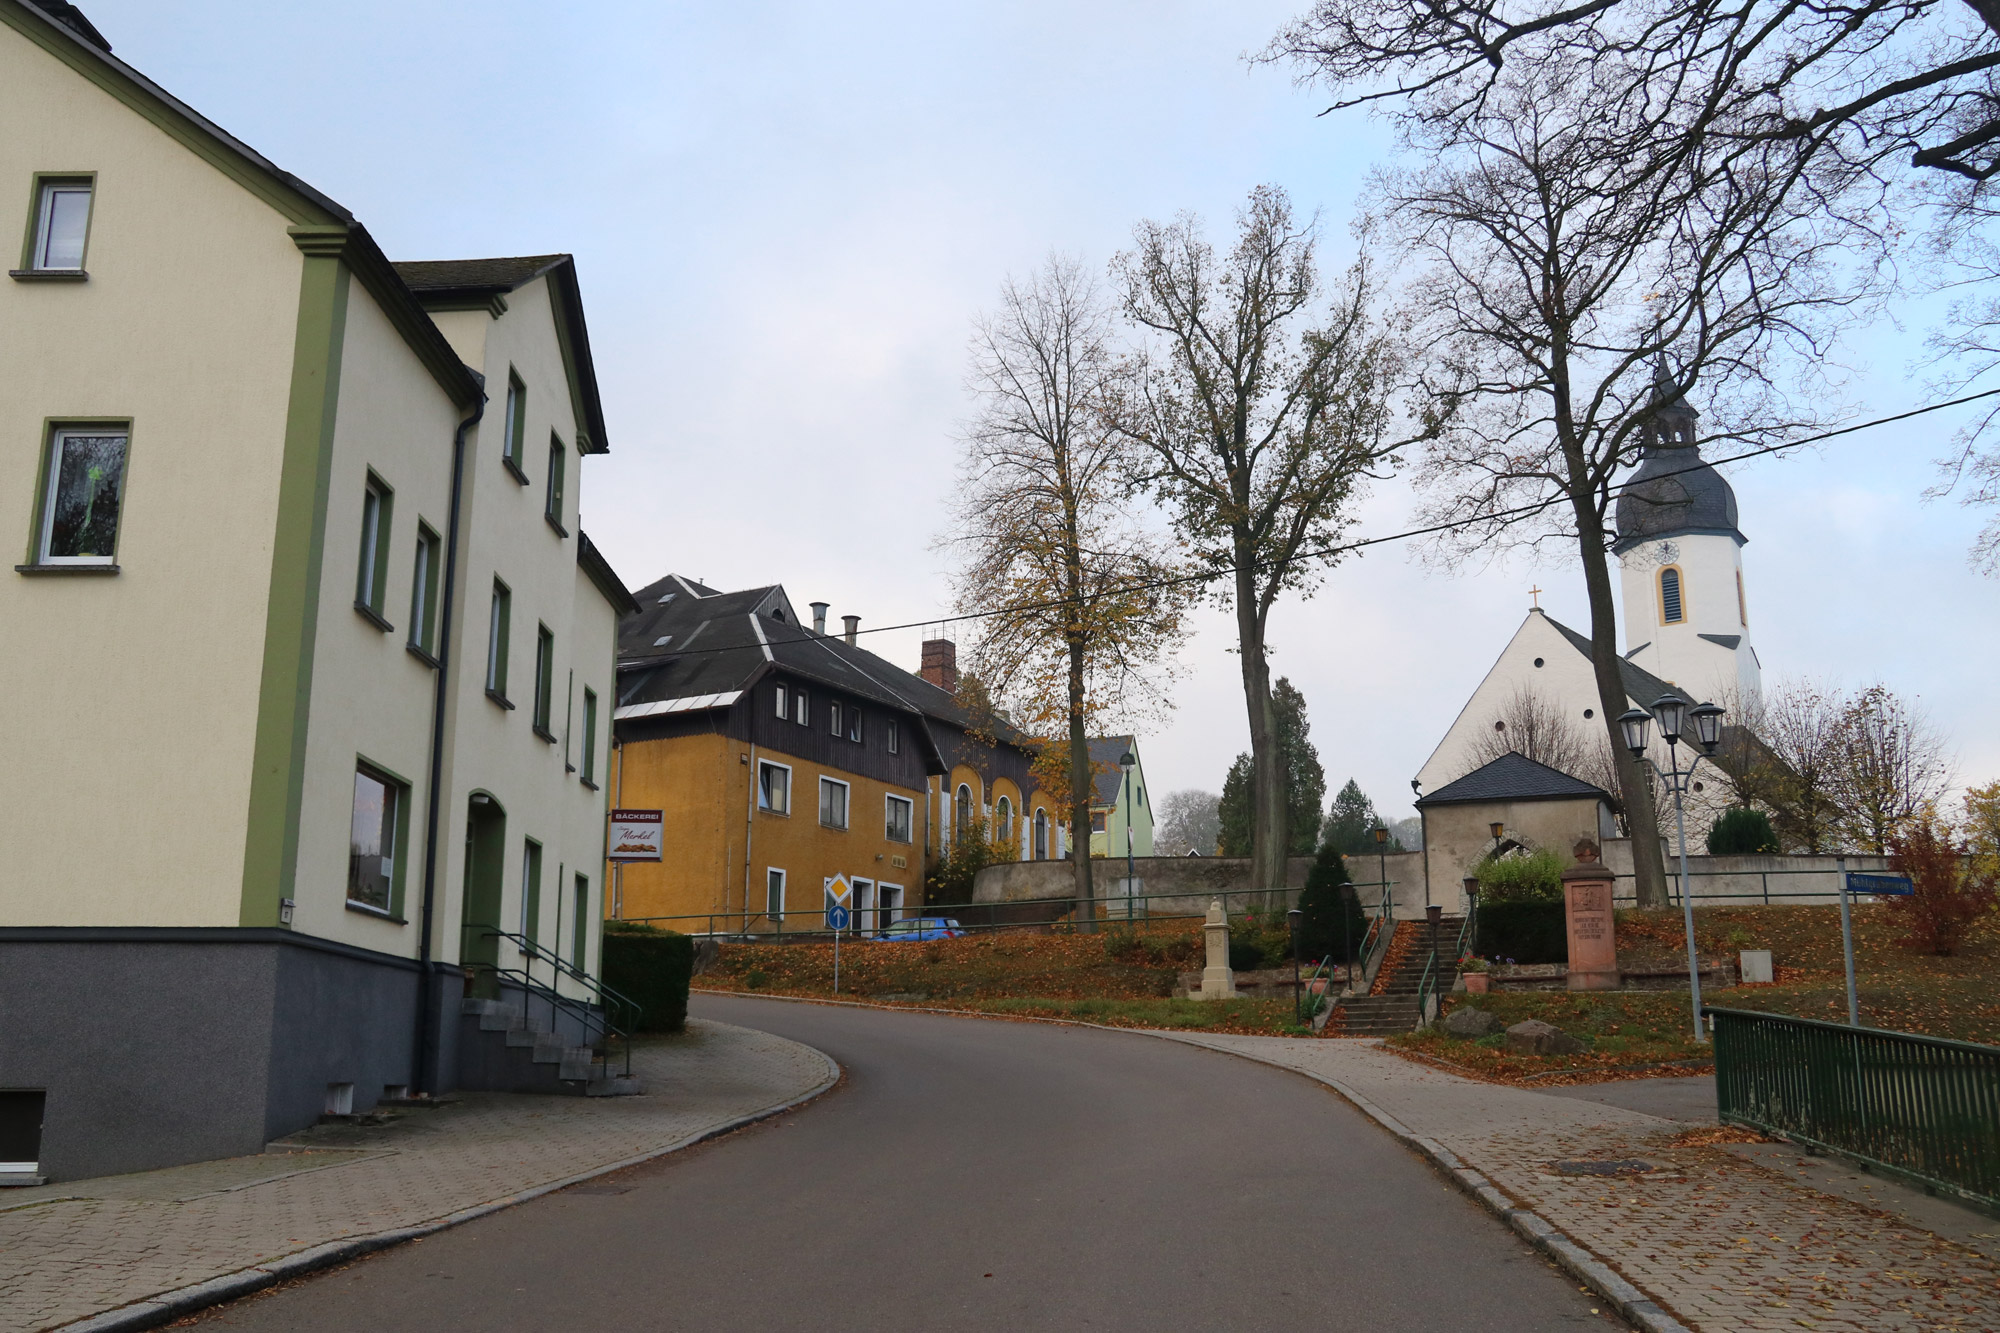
pixel 1674 492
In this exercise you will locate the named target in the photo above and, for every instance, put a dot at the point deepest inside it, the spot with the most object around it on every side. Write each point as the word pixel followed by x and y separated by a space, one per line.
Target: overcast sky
pixel 784 217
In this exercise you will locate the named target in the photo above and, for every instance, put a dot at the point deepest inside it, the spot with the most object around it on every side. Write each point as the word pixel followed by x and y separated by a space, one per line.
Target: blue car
pixel 923 928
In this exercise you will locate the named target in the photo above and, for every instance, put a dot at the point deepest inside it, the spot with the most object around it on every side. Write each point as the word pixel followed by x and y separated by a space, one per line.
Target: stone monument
pixel 1593 940
pixel 1218 982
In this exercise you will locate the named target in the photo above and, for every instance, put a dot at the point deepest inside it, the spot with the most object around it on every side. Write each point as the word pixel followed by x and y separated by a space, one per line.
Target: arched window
pixel 1041 835
pixel 1673 609
pixel 1003 819
pixel 964 813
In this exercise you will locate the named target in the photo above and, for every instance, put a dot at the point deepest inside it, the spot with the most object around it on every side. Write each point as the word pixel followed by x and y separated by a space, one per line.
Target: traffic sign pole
pixel 1847 946
pixel 836 960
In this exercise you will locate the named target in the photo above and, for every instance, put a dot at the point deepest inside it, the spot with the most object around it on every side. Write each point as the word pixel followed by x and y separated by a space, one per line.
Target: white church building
pixel 1686 613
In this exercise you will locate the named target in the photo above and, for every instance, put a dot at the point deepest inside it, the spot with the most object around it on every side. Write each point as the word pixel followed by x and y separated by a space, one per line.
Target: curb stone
pixel 156 1310
pixel 1632 1304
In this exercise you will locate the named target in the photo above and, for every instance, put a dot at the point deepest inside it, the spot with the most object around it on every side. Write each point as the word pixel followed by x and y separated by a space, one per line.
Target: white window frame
pixel 45 217
pixel 786 769
pixel 774 893
pixel 801 708
pixel 833 718
pixel 1003 818
pixel 58 438
pixel 1039 835
pixel 846 802
pixel 895 743
pixel 889 804
pixel 784 703
pixel 854 724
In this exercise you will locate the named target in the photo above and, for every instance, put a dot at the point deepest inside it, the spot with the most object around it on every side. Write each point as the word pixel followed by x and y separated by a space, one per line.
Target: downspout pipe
pixel 423 1077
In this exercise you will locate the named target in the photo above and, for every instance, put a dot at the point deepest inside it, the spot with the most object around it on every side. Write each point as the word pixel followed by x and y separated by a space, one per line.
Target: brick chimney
pixel 940 666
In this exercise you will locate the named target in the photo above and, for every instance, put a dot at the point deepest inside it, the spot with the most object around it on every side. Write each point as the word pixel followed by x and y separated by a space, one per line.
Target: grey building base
pixel 163 1046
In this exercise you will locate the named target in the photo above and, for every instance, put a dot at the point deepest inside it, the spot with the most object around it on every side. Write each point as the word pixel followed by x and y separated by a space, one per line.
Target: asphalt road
pixel 973 1174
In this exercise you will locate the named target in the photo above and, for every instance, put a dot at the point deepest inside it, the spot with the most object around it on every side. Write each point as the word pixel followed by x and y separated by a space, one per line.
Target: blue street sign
pixel 837 917
pixel 1890 886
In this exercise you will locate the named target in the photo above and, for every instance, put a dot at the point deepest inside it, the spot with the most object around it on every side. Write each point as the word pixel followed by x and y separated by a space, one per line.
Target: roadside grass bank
pixel 1120 977
pixel 1900 989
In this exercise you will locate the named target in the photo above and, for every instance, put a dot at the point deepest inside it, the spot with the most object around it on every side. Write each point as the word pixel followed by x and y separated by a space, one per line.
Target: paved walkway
pixel 1718 1241
pixel 110 1251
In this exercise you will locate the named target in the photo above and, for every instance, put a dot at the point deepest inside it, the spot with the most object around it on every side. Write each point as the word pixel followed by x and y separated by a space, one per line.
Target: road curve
pixel 973 1174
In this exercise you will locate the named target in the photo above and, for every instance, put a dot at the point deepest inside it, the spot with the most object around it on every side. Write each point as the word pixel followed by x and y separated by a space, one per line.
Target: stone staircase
pixel 501 1050
pixel 1391 1005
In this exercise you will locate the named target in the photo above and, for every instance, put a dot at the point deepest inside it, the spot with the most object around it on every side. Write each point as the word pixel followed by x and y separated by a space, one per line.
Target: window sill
pixel 48 275
pixel 501 699
pixel 365 910
pixel 417 652
pixel 374 617
pixel 544 733
pixel 560 530
pixel 515 468
pixel 66 569
pixel 767 810
pixel 588 784
pixel 837 828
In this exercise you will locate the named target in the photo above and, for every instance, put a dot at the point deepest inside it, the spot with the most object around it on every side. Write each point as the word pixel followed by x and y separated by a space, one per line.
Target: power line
pixel 1341 548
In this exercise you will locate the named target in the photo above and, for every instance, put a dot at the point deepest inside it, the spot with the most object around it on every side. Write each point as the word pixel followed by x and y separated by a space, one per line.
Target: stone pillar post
pixel 1218 982
pixel 1593 941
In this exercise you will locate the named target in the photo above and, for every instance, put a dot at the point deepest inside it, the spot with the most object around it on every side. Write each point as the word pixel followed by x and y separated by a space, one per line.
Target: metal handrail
pixel 1386 913
pixel 628 1009
pixel 1427 988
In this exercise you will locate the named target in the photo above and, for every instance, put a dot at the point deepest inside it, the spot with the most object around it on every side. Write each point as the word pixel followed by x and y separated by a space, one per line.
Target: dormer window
pixel 1673 608
pixel 62 221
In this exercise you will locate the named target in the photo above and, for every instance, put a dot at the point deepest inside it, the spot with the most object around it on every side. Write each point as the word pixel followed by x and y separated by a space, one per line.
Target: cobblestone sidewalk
pixel 124 1250
pixel 1719 1242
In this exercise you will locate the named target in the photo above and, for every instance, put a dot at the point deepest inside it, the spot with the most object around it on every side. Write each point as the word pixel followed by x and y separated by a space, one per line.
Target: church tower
pixel 1680 555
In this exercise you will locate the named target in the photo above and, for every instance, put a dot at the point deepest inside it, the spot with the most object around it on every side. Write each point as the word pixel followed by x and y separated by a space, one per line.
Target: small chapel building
pixel 1686 622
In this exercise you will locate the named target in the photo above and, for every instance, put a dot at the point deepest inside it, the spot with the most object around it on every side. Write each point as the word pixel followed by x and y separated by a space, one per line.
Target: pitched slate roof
pixel 1512 777
pixel 1108 750
pixel 446 283
pixel 719 644
pixel 1641 686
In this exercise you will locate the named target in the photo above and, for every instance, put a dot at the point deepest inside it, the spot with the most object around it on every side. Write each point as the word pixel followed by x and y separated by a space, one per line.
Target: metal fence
pixel 1922 1107
pixel 1755 886
pixel 1028 914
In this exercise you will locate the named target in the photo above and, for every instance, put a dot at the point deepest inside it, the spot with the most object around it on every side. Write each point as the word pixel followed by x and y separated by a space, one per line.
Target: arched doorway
pixel 479 909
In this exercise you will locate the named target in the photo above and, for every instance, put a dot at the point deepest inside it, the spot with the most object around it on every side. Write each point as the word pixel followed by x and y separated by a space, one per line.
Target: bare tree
pixel 1260 402
pixel 1594 234
pixel 1533 725
pixel 1190 821
pixel 1077 621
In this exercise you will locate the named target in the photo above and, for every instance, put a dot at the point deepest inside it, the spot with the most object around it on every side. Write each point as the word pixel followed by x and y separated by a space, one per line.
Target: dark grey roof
pixel 72 18
pixel 1512 777
pixel 451 283
pixel 1641 685
pixel 1105 752
pixel 474 275
pixel 1674 493
pixel 720 642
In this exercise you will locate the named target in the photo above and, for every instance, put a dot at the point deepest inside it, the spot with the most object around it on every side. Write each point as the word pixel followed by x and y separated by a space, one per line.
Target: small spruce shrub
pixel 1742 831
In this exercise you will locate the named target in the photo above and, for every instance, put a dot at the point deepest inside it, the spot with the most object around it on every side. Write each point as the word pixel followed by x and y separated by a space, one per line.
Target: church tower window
pixel 1672 608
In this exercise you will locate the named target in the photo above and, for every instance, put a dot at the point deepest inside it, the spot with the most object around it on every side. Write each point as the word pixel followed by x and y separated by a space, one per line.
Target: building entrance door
pixel 479 912
pixel 889 903
pixel 864 906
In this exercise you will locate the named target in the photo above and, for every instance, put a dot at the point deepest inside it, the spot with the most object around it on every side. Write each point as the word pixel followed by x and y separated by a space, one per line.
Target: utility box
pixel 1756 967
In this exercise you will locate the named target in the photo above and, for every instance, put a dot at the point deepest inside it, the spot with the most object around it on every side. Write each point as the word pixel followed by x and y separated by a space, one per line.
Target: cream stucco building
pixel 312 663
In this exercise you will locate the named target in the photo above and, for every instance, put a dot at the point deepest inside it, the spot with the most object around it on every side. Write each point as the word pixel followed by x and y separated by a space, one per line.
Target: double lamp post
pixel 1674 716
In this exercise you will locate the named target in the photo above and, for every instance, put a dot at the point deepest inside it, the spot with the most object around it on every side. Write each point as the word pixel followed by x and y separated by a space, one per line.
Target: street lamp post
pixel 1674 715
pixel 1127 761
pixel 1382 883
pixel 1292 919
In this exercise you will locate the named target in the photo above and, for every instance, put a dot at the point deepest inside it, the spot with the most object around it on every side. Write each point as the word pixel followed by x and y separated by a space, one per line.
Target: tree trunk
pixel 1267 775
pixel 1083 914
pixel 1641 818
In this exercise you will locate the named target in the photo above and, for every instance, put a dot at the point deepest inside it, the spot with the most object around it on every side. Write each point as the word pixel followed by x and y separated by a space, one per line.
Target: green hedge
pixel 653 967
pixel 1524 932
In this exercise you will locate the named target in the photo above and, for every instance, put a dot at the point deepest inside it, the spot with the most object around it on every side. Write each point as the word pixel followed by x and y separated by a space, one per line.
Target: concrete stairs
pixel 502 1050
pixel 1391 1006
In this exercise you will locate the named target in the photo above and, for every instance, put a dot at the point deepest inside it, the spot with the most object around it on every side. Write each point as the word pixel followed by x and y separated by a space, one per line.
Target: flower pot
pixel 1318 987
pixel 1475 983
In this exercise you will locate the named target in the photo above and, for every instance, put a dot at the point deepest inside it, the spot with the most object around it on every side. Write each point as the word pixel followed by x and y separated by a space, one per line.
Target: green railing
pixel 1322 976
pixel 1922 1107
pixel 1431 985
pixel 1763 894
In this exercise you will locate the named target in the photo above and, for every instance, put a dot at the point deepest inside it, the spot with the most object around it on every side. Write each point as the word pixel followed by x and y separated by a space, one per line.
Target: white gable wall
pixel 1563 677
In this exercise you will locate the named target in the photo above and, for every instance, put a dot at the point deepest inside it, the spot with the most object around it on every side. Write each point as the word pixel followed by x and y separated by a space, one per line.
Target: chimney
pixel 853 624
pixel 940 666
pixel 819 617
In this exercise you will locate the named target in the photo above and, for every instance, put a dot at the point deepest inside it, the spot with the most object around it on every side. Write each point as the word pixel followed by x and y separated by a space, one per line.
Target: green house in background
pixel 1116 805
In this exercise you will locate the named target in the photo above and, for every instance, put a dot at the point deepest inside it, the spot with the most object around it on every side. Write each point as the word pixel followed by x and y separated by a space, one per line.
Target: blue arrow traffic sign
pixel 1891 886
pixel 837 917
